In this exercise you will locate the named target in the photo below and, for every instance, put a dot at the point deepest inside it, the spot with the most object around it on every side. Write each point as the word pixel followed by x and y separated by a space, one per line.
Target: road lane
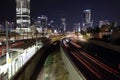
pixel 91 67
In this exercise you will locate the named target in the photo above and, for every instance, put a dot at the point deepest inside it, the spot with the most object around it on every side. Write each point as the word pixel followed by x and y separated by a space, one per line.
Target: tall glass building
pixel 87 22
pixel 87 16
pixel 22 13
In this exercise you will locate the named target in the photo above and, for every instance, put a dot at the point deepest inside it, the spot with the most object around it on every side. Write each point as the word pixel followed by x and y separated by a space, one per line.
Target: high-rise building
pixel 43 20
pixel 22 13
pixel 43 23
pixel 103 22
pixel 63 24
pixel 87 22
pixel 87 16
pixel 77 27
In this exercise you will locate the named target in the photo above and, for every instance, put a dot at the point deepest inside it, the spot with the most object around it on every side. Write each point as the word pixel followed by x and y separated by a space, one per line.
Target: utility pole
pixel 7 43
pixel 7 48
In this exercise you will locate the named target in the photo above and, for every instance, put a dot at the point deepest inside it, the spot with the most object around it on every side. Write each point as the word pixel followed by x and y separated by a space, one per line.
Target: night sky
pixel 72 10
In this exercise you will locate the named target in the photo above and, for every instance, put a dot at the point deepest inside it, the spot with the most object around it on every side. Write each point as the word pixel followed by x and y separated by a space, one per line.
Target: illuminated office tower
pixel 43 23
pixel 22 14
pixel 87 22
pixel 43 20
pixel 77 27
pixel 87 16
pixel 63 24
pixel 103 22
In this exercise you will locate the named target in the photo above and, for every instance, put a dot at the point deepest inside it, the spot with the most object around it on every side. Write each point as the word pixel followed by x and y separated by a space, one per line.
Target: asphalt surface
pixel 92 67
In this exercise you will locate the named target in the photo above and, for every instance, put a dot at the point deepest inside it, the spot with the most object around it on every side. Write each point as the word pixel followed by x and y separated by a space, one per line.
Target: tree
pixel 105 28
pixel 89 30
pixel 96 30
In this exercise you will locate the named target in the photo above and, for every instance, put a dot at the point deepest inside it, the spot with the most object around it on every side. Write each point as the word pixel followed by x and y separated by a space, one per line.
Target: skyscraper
pixel 43 20
pixel 63 24
pixel 23 13
pixel 87 22
pixel 103 22
pixel 87 16
pixel 43 23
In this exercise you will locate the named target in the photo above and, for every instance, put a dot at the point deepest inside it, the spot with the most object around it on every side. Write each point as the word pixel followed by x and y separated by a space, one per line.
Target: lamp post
pixel 7 43
pixel 7 48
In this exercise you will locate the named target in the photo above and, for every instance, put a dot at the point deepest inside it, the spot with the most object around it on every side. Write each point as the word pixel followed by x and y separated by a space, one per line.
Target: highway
pixel 107 56
pixel 90 66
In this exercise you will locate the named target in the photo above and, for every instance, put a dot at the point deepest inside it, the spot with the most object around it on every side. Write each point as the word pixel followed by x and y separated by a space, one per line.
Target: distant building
pixel 63 24
pixel 114 24
pixel 22 14
pixel 87 16
pixel 87 22
pixel 43 20
pixel 43 23
pixel 77 27
pixel 1 28
pixel 103 22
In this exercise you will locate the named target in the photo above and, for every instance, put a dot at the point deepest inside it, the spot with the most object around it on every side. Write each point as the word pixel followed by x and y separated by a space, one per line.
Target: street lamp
pixel 7 48
pixel 7 43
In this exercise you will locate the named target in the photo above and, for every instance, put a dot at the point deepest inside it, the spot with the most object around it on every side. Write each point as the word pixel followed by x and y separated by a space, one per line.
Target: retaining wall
pixel 74 73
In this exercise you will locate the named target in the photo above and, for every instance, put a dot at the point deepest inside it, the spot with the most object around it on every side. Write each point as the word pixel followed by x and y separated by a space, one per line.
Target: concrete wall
pixel 26 72
pixel 74 73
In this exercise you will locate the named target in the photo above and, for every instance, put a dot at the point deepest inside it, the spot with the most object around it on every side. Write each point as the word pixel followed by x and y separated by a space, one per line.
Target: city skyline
pixel 71 10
